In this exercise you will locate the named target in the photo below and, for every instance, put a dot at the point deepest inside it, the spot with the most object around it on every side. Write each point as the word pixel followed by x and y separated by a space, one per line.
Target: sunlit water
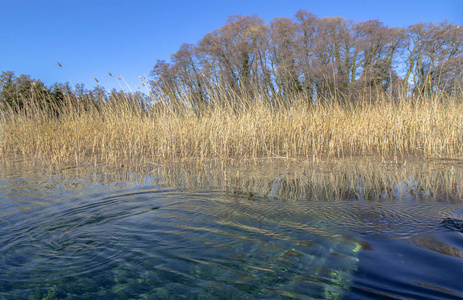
pixel 76 240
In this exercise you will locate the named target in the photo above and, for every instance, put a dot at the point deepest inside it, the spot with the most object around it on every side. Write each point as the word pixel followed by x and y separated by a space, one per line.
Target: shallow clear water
pixel 81 240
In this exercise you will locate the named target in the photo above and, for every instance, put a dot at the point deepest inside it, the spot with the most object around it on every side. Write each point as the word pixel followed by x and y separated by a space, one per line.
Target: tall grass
pixel 231 127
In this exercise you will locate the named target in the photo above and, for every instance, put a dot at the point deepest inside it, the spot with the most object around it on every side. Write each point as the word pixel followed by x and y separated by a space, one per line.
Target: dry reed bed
pixel 118 133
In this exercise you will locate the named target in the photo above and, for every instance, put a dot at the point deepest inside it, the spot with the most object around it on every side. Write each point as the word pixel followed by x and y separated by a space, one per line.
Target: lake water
pixel 98 236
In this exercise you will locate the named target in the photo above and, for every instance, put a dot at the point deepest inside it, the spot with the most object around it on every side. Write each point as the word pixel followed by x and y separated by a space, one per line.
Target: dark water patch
pixel 453 224
pixel 424 267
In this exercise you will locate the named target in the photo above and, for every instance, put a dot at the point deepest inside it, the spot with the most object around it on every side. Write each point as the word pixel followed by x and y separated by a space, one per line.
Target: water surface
pixel 84 239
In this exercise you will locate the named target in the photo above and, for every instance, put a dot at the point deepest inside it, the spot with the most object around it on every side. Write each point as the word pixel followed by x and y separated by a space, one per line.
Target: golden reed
pixel 250 127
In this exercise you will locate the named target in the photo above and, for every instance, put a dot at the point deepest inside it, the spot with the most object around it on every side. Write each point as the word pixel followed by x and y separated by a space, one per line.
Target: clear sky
pixel 93 37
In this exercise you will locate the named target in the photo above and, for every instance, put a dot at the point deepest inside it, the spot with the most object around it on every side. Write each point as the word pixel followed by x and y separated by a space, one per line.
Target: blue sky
pixel 92 38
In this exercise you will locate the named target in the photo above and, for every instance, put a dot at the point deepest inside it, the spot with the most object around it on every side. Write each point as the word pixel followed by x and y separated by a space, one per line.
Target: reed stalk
pixel 232 126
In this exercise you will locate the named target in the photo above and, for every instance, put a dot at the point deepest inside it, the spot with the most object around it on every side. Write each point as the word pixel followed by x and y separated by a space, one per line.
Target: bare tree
pixel 321 57
pixel 283 55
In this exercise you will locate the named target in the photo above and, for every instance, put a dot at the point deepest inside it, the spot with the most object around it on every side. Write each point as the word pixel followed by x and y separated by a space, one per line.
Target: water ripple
pixel 205 240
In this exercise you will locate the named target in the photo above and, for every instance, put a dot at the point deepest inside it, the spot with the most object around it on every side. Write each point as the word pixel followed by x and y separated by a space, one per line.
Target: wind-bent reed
pixel 121 130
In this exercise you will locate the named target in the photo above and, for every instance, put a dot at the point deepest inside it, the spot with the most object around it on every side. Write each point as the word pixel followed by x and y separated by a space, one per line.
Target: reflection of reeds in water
pixel 282 180
pixel 343 180
pixel 122 130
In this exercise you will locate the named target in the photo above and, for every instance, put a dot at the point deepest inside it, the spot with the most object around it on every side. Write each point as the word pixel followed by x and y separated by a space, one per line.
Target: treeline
pixel 18 93
pixel 320 57
pixel 305 57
